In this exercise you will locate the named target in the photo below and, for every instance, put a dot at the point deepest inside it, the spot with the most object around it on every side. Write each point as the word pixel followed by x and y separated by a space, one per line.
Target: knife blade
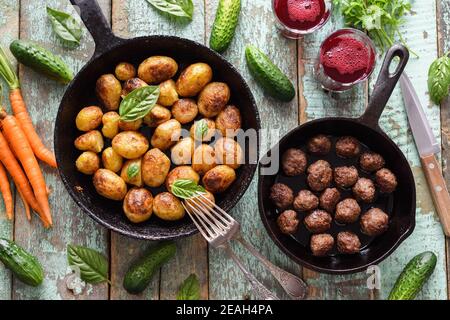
pixel 423 134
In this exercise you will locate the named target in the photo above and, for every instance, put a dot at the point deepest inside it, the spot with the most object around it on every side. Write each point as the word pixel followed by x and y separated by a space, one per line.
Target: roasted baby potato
pixel 228 121
pixel 156 116
pixel 167 207
pixel 90 141
pixel 185 110
pixel 219 178
pixel 204 159
pixel 193 79
pixel 194 203
pixel 203 130
pixel 166 134
pixel 130 125
pixel 132 84
pixel 125 71
pixel 138 205
pixel 109 90
pixel 182 152
pixel 213 99
pixel 181 172
pixel 167 93
pixel 89 118
pixel 111 160
pixel 131 172
pixel 228 152
pixel 130 144
pixel 88 162
pixel 157 69
pixel 110 124
pixel 109 185
pixel 155 167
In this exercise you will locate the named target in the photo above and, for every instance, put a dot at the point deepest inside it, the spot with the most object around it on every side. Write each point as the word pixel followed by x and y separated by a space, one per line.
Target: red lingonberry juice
pixel 299 17
pixel 346 57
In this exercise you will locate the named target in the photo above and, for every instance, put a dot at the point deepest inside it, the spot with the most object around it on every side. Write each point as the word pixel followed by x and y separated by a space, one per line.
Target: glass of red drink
pixel 296 18
pixel 346 58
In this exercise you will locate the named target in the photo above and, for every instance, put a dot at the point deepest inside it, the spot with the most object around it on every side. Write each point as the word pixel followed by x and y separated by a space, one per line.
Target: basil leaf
pixel 201 129
pixel 439 79
pixel 186 189
pixel 190 289
pixel 138 103
pixel 132 170
pixel 92 264
pixel 65 26
pixel 178 8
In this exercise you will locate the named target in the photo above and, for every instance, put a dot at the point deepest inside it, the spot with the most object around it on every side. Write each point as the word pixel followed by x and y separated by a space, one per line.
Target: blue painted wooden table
pixel 427 30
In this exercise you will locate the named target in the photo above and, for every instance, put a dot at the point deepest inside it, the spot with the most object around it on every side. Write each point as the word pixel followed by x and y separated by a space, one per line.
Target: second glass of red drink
pixel 297 18
pixel 346 58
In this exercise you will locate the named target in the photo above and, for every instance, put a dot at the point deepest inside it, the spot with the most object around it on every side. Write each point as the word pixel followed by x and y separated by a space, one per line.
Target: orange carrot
pixel 22 116
pixel 25 205
pixel 16 137
pixel 20 179
pixel 6 192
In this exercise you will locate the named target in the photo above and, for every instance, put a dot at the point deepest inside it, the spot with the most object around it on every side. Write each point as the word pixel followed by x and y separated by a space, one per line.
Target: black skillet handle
pixel 98 26
pixel 385 85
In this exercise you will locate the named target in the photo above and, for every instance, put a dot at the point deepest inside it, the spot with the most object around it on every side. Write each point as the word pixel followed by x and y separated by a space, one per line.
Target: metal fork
pixel 219 228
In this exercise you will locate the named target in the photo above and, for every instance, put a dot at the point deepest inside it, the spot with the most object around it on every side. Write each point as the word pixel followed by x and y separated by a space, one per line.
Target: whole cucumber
pixel 41 60
pixel 268 75
pixel 141 272
pixel 414 276
pixel 23 265
pixel 225 24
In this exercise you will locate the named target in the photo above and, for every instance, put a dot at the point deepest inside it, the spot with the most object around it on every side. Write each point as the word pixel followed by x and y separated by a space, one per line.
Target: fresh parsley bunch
pixel 381 19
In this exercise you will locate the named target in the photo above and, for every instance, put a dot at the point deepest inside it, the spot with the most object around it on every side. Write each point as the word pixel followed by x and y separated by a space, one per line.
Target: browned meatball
pixel 306 201
pixel 281 195
pixel 347 211
pixel 329 198
pixel 347 147
pixel 321 244
pixel 320 145
pixel 374 222
pixel 371 161
pixel 348 243
pixel 318 221
pixel 386 180
pixel 320 175
pixel 364 190
pixel 294 162
pixel 288 222
pixel 345 177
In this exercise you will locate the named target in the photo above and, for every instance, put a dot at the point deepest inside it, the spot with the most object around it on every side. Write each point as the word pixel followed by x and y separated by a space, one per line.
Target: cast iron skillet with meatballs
pixel 110 51
pixel 349 249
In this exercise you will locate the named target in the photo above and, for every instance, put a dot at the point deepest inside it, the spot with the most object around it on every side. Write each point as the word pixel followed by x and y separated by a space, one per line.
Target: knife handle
pixel 438 189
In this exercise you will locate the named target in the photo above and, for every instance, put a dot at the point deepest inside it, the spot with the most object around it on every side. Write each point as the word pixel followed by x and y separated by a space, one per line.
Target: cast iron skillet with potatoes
pixel 110 52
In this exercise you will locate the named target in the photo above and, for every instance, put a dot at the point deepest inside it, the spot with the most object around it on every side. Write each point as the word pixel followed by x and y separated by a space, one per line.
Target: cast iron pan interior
pixel 401 205
pixel 81 93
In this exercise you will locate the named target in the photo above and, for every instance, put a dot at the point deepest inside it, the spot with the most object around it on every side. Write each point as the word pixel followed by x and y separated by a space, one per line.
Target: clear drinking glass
pixel 346 58
pixel 297 18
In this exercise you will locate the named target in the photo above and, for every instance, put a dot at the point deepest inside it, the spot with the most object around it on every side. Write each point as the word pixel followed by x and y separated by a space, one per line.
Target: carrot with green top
pixel 6 193
pixel 21 113
pixel 19 143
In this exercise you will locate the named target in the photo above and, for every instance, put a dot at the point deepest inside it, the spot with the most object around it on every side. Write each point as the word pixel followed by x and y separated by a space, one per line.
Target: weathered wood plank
pixel 70 225
pixel 137 18
pixel 9 28
pixel 421 35
pixel 317 103
pixel 443 21
pixel 256 27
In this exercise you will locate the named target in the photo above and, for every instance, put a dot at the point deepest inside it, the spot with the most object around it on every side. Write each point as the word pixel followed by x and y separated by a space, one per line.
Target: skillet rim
pixel 190 228
pixel 298 260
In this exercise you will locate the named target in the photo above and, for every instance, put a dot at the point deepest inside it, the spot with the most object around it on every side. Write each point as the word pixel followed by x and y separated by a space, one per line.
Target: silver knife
pixel 427 147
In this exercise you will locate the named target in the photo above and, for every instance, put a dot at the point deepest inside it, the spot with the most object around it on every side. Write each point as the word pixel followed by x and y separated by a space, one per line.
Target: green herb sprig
pixel 186 189
pixel 190 289
pixel 381 19
pixel 138 103
pixel 92 264
pixel 439 79
pixel 177 8
pixel 201 129
pixel 67 29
